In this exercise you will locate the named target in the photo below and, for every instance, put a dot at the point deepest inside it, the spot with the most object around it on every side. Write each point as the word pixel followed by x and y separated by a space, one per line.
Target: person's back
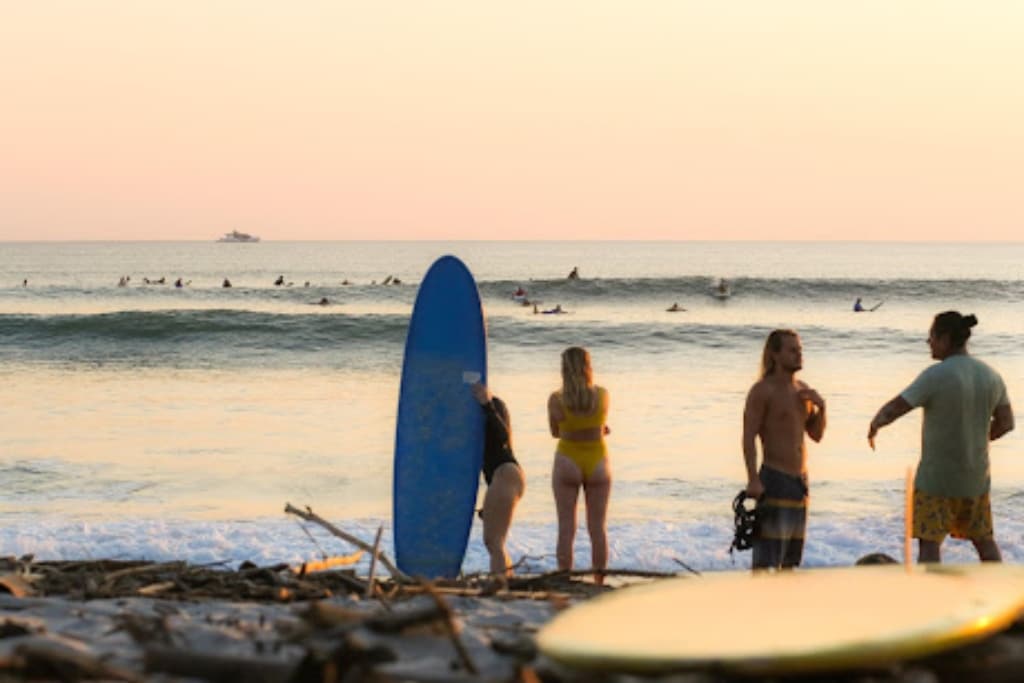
pixel 959 395
pixel 965 406
pixel 577 415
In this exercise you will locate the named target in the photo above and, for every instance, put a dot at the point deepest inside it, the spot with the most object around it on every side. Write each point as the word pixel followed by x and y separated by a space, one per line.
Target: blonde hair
pixel 773 344
pixel 577 380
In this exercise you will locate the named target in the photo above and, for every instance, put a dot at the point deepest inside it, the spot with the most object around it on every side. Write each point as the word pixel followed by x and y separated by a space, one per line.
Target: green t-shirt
pixel 959 396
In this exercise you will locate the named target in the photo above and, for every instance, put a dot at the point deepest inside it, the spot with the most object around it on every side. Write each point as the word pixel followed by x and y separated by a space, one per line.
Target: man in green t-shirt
pixel 965 406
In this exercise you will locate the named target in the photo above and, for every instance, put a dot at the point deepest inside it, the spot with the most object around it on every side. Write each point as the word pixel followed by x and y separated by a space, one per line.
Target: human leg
pixel 928 551
pixel 933 517
pixel 504 492
pixel 988 550
pixel 973 521
pixel 596 491
pixel 566 480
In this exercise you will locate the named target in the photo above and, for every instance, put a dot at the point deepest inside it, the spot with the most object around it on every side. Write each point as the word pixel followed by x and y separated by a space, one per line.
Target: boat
pixel 235 236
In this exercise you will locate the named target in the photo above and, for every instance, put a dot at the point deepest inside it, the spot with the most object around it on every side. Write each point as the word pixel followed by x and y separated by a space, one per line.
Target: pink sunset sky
pixel 658 119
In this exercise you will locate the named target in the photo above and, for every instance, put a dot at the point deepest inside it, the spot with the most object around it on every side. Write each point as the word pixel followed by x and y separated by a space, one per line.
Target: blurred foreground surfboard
pixel 789 622
pixel 440 428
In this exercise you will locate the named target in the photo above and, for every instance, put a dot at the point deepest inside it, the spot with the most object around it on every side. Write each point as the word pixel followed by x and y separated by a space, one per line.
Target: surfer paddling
pixel 780 409
pixel 576 416
pixel 965 406
pixel 505 481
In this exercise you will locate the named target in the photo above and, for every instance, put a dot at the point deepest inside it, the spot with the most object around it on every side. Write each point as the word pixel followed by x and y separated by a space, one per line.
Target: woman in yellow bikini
pixel 576 414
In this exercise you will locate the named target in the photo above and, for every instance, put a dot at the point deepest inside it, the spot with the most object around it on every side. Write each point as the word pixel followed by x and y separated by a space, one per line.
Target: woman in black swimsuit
pixel 504 477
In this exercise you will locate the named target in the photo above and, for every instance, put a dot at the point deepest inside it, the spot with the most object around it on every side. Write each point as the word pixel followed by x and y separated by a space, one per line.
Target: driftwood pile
pixel 171 621
pixel 327 631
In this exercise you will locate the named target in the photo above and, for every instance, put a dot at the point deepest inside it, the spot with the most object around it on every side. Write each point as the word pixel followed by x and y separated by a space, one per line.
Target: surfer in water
pixel 780 409
pixel 858 307
pixel 557 310
pixel 577 418
pixel 675 308
pixel 965 407
pixel 504 476
pixel 574 274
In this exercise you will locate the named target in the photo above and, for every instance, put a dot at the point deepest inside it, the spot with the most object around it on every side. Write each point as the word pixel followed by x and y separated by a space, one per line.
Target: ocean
pixel 156 422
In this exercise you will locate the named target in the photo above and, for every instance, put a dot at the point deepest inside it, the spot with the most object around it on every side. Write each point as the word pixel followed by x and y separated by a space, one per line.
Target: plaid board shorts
pixel 965 518
pixel 782 520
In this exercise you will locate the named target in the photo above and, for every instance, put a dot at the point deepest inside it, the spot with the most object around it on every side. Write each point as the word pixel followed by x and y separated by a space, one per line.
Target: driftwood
pixel 348 640
pixel 311 516
pixel 373 562
pixel 48 658
pixel 449 624
pixel 214 667
pixel 328 563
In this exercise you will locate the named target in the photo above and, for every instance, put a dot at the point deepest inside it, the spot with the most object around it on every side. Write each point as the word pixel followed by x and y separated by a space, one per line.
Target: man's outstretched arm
pixel 890 412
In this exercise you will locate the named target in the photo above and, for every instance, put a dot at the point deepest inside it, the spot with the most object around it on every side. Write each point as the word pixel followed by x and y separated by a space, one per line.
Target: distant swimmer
pixel 279 281
pixel 307 284
pixel 227 283
pixel 519 293
pixel 323 302
pixel 396 281
pixel 24 283
pixel 557 310
pixel 574 274
pixel 858 307
pixel 675 308
pixel 123 282
pixel 535 311
pixel 345 282
pixel 178 283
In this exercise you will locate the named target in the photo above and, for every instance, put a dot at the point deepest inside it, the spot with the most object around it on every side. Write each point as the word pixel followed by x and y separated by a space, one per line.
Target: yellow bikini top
pixel 574 423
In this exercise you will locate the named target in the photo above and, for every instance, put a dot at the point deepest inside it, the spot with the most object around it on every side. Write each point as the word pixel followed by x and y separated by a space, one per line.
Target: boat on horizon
pixel 236 236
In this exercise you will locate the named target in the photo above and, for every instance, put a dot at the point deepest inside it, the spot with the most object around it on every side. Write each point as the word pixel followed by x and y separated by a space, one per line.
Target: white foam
pixel 702 544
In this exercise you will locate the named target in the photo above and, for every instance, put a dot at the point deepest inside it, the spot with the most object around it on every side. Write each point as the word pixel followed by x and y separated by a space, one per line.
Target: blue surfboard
pixel 439 438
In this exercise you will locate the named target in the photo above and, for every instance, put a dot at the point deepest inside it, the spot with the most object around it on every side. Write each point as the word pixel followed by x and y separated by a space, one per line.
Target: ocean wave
pixel 210 338
pixel 761 288
pixel 589 289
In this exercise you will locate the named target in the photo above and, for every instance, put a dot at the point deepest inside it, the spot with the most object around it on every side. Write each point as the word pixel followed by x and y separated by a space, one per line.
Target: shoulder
pixel 989 373
pixel 759 389
pixel 984 367
pixel 760 394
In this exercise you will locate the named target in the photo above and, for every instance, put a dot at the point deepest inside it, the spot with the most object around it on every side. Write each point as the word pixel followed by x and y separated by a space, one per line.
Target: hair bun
pixel 969 321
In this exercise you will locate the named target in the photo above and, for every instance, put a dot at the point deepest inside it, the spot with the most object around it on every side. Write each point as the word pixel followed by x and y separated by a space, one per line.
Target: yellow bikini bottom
pixel 586 454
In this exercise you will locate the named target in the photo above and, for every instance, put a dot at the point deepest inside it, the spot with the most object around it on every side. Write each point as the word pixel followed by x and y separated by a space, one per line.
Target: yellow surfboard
pixel 787 622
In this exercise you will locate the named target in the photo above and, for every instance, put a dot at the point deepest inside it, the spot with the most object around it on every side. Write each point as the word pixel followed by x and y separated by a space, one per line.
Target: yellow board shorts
pixel 965 518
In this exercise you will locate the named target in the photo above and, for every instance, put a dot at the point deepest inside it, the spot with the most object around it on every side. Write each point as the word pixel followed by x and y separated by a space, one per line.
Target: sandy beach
pixel 133 621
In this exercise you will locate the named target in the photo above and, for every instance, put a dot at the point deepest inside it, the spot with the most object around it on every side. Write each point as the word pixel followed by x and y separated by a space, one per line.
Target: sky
pixel 460 119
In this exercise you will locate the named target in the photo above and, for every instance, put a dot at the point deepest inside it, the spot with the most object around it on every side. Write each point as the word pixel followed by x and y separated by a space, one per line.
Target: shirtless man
pixel 780 409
